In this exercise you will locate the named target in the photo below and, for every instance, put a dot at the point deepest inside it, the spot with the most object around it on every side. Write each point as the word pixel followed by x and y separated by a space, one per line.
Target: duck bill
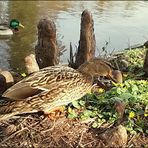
pixel 20 25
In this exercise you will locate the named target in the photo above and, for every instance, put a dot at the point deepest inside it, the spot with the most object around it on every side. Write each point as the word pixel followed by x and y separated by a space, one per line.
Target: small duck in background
pixel 9 29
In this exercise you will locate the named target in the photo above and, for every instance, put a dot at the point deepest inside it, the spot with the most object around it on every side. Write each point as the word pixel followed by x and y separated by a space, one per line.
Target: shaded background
pixel 122 23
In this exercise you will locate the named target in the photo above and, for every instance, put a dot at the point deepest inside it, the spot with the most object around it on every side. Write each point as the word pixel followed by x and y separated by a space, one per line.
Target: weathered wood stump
pixel 115 137
pixel 145 65
pixel 31 64
pixel 146 44
pixel 6 80
pixel 3 84
pixel 46 50
pixel 87 42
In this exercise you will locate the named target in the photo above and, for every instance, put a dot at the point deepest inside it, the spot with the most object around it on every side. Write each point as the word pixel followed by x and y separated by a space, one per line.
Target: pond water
pixel 121 23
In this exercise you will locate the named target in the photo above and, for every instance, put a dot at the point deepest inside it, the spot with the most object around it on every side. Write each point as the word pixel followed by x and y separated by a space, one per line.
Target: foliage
pixel 135 58
pixel 23 74
pixel 132 92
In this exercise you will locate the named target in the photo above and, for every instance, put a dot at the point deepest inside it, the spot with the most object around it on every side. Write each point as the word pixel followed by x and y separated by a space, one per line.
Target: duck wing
pixel 41 82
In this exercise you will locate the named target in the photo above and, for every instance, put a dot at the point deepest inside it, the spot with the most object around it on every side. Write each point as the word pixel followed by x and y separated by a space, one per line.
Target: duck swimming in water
pixel 52 87
pixel 9 29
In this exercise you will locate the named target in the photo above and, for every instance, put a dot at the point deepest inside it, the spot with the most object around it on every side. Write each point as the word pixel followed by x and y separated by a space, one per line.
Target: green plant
pixel 135 58
pixel 133 93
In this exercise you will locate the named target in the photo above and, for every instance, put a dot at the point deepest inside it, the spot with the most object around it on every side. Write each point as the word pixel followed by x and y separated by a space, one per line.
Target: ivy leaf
pixel 23 74
pixel 125 97
pixel 87 113
pixel 76 104
pixel 82 103
pixel 139 129
pixel 119 90
pixel 134 88
pixel 72 114
pixel 94 125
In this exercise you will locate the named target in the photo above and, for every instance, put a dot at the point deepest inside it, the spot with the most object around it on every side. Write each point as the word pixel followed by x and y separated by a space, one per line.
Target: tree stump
pixel 146 44
pixel 6 80
pixel 3 84
pixel 145 65
pixel 46 50
pixel 87 42
pixel 115 137
pixel 31 64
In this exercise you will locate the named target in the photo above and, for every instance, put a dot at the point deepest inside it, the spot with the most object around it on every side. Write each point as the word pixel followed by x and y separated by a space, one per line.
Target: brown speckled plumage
pixel 50 87
pixel 44 90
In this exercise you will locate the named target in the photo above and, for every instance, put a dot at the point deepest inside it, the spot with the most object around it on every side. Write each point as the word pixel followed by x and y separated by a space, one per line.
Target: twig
pixel 54 140
pixel 131 140
pixel 112 52
pixel 30 126
pixel 79 144
pixel 117 64
pixel 66 142
pixel 25 118
pixel 89 143
pixel 50 128
pixel 14 135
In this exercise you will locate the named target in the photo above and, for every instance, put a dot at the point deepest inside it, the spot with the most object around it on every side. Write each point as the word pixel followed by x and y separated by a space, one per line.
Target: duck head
pixel 15 24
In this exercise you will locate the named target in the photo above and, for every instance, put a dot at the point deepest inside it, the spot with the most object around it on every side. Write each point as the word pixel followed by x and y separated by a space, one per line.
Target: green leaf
pixel 87 113
pixel 134 88
pixel 119 90
pixel 82 103
pixel 23 74
pixel 72 114
pixel 94 125
pixel 76 104
pixel 140 74
pixel 125 96
pixel 139 129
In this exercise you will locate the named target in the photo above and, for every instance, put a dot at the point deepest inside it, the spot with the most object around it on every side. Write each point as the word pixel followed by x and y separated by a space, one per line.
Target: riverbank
pixel 89 121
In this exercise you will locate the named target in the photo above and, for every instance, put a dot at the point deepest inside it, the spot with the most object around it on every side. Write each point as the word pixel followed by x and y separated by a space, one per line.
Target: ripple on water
pixel 122 23
pixel 4 55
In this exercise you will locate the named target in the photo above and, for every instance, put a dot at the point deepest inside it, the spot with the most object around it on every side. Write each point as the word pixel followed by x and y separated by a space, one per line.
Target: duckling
pixel 51 87
pixel 9 29
pixel 98 67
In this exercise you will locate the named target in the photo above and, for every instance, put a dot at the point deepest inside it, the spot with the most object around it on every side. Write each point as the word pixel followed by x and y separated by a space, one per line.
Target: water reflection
pixel 21 44
pixel 120 22
pixel 4 48
pixel 3 11
pixel 4 55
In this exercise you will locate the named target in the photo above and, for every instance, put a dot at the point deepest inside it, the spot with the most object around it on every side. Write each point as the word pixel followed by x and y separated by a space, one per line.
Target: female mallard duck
pixel 6 29
pixel 51 87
